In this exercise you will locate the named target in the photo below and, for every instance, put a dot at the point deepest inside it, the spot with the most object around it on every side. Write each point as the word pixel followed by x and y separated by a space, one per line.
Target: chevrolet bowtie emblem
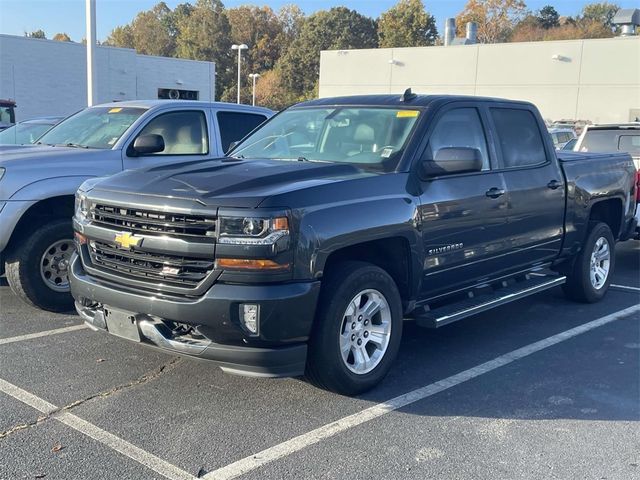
pixel 127 240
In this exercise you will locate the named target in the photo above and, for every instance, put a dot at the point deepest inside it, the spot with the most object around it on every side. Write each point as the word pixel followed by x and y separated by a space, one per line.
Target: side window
pixel 460 127
pixel 184 133
pixel 234 126
pixel 519 137
pixel 630 144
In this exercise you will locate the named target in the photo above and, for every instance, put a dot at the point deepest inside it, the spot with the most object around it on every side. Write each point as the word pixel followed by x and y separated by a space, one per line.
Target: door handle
pixel 495 192
pixel 553 184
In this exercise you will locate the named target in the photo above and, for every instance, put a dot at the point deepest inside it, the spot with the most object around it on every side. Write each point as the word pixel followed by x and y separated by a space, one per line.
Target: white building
pixel 47 77
pixel 596 80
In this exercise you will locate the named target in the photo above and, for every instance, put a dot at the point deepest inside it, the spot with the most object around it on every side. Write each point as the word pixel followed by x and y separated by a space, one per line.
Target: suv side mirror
pixel 450 160
pixel 151 143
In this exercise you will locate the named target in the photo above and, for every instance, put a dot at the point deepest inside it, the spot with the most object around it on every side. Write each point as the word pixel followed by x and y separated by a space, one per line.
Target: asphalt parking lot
pixel 543 388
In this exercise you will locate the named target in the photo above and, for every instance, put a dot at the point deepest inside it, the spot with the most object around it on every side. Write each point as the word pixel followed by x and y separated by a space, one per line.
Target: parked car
pixel 7 113
pixel 27 131
pixel 303 250
pixel 38 182
pixel 561 136
pixel 619 137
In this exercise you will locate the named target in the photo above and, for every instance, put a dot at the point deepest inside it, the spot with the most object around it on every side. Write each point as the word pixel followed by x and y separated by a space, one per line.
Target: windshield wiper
pixel 303 159
pixel 70 144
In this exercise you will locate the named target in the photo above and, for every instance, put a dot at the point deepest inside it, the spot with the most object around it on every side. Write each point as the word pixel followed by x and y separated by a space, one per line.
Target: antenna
pixel 407 96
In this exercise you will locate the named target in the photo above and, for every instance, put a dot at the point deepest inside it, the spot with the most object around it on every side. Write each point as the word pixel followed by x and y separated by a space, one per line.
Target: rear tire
pixel 589 280
pixel 350 359
pixel 36 268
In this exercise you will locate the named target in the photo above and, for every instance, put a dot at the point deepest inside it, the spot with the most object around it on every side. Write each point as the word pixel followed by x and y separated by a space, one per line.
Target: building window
pixel 177 94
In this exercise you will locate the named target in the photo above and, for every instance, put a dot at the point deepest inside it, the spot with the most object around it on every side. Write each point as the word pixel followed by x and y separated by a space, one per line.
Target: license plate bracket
pixel 122 323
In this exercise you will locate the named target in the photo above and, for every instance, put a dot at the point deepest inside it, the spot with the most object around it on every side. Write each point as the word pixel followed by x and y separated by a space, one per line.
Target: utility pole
pixel 239 48
pixel 254 77
pixel 92 92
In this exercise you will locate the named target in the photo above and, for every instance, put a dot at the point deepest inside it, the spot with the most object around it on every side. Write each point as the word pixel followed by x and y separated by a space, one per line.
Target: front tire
pixel 37 268
pixel 589 280
pixel 357 330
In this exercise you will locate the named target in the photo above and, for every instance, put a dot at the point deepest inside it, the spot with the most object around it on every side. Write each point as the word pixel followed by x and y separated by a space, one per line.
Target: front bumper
pixel 287 312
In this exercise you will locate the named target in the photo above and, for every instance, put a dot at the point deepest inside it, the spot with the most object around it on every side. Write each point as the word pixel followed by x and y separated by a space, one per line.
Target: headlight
pixel 81 206
pixel 2 170
pixel 252 230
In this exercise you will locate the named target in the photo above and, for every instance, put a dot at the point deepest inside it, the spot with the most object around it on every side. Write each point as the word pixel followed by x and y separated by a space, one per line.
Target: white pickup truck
pixel 38 182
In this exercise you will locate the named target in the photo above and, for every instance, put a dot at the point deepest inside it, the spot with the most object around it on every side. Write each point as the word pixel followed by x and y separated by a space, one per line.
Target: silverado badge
pixel 127 240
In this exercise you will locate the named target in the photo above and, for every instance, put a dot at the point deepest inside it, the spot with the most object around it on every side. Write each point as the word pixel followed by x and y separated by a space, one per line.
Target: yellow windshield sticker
pixel 115 110
pixel 407 113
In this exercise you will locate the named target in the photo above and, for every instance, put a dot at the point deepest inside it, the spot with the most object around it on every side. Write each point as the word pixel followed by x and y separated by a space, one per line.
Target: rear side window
pixel 234 126
pixel 630 144
pixel 460 127
pixel 598 141
pixel 519 137
pixel 184 133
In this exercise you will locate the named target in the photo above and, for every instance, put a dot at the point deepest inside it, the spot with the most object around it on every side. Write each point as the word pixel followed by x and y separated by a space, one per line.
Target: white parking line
pixel 300 442
pixel 127 449
pixel 46 333
pixel 625 287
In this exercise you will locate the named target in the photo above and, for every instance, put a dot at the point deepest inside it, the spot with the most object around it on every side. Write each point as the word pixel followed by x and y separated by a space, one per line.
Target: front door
pixel 463 215
pixel 185 135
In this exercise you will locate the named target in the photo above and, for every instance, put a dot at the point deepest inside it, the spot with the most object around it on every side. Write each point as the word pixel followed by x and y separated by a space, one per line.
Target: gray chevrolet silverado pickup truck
pixel 303 251
pixel 38 182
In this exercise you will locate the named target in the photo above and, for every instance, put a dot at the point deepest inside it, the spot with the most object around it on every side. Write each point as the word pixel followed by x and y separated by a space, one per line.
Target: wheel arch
pixel 392 254
pixel 51 208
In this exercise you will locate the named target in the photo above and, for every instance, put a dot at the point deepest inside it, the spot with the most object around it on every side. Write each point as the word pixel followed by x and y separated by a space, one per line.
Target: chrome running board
pixel 457 311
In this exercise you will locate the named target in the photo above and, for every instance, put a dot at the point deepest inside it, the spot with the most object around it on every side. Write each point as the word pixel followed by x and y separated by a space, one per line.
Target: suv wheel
pixel 37 268
pixel 591 275
pixel 357 331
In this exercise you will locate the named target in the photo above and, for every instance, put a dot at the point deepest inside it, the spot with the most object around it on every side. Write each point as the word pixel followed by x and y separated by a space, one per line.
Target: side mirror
pixel 232 145
pixel 151 143
pixel 450 160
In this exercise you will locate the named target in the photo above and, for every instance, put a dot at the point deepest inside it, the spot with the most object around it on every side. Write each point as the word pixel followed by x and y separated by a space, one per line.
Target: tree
pixel 495 18
pixel 36 34
pixel 407 24
pixel 548 17
pixel 261 30
pixel 151 35
pixel 62 37
pixel 529 29
pixel 337 28
pixel 271 91
pixel 121 37
pixel 291 20
pixel 205 34
pixel 602 13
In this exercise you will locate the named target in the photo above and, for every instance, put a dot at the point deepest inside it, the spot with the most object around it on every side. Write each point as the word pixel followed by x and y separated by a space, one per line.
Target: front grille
pixel 172 270
pixel 154 222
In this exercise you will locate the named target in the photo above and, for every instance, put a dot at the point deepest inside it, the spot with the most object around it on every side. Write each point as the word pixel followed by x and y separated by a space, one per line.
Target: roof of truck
pixel 185 103
pixel 398 101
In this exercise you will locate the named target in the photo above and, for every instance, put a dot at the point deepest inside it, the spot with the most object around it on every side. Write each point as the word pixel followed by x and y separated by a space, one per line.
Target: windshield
pixel 600 141
pixel 23 133
pixel 96 127
pixel 371 137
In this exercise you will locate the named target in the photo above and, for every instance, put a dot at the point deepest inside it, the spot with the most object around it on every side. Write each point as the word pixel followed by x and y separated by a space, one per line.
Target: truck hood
pixel 229 182
pixel 23 155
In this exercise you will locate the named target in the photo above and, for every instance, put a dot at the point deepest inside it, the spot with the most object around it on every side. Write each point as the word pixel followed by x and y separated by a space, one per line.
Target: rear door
pixel 234 126
pixel 535 185
pixel 463 216
pixel 186 137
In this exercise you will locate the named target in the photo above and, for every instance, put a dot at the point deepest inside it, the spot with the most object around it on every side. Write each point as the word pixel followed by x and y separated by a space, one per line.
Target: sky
pixel 53 16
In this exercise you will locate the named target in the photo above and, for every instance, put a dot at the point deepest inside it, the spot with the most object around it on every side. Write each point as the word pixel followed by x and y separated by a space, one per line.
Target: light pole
pixel 239 48
pixel 254 77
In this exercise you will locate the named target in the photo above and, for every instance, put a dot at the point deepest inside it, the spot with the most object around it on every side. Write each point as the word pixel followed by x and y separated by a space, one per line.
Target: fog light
pixel 250 317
